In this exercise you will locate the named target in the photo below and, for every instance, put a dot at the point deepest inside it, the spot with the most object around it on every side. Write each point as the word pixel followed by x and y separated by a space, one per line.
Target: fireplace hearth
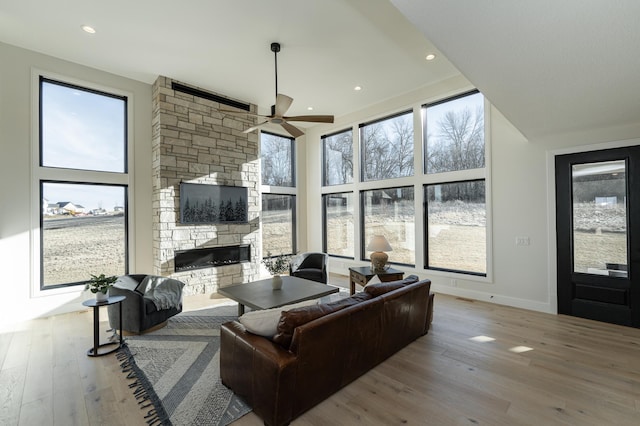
pixel 186 260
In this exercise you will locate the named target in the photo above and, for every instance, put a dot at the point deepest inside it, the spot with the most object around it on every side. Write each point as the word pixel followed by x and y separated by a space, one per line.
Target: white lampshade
pixel 379 243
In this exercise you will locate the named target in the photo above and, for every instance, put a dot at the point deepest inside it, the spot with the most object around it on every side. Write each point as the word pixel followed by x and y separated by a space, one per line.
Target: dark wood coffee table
pixel 261 295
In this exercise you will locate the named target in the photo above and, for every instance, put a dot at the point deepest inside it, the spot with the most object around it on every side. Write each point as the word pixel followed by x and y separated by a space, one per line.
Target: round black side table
pixel 93 303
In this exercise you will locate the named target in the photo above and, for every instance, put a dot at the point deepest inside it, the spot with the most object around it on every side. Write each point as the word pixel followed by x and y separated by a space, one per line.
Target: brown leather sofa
pixel 306 362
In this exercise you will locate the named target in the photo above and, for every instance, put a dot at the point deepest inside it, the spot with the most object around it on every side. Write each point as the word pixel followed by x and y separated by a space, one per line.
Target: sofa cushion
pixel 293 318
pixel 376 290
pixel 264 322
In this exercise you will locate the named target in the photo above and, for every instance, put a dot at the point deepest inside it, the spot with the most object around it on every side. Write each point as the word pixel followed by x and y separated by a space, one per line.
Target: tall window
pixel 277 153
pixel 390 212
pixel 337 154
pixel 83 212
pixel 455 223
pixel 338 224
pixel 387 147
pixel 278 195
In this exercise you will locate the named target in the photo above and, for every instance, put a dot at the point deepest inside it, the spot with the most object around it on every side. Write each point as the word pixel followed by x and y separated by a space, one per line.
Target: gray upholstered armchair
pixel 150 301
pixel 310 266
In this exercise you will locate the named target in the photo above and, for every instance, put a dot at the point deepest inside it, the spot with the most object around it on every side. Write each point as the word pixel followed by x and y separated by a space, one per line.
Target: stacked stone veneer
pixel 193 142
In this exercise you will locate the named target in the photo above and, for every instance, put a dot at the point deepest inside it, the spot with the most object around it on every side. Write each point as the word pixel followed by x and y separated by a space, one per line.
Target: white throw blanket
pixel 165 293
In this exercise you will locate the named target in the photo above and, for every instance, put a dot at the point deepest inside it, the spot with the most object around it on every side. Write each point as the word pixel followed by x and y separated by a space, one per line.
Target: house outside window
pixel 278 218
pixel 83 184
pixel 455 193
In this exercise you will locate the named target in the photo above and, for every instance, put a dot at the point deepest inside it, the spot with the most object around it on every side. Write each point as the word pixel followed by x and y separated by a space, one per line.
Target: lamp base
pixel 378 260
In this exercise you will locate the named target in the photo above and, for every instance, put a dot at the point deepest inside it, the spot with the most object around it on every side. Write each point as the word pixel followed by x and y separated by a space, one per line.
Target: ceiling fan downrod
pixel 275 48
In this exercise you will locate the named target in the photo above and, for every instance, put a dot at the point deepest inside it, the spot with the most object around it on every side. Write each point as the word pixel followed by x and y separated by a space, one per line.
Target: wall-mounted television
pixel 202 203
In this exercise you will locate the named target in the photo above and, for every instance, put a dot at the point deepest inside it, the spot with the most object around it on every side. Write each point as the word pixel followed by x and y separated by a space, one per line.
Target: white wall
pixel 521 191
pixel 17 301
pixel 520 202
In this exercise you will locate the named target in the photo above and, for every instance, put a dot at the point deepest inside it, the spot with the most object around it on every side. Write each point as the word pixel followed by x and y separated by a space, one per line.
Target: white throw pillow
pixel 265 322
pixel 126 282
pixel 374 280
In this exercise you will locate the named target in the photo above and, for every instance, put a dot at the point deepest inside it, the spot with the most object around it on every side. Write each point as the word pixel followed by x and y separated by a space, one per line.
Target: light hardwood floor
pixel 575 371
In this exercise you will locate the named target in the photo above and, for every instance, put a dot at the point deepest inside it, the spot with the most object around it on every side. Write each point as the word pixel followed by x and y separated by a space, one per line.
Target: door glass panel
pixel 600 218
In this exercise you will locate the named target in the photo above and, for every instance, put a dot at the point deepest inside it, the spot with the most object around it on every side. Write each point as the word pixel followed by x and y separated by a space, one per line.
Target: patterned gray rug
pixel 176 371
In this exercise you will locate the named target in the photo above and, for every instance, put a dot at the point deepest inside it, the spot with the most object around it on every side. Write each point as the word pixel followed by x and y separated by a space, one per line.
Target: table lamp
pixel 378 245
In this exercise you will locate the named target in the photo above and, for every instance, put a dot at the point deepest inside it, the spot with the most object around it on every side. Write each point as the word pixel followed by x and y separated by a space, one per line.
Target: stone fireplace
pixel 194 143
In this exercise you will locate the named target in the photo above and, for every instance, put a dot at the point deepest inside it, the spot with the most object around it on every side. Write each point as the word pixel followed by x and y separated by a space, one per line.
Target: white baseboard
pixel 498 299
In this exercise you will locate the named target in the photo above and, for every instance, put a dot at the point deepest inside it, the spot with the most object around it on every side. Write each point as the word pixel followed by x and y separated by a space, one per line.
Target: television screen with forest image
pixel 201 203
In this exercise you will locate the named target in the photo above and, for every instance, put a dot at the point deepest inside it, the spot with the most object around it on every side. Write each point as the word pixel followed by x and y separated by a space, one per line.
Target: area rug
pixel 176 371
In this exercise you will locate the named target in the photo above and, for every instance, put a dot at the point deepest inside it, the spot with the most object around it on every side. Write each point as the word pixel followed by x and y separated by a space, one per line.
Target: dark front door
pixel 598 225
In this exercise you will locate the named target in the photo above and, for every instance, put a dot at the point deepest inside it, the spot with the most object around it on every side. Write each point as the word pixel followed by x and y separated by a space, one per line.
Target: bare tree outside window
pixel 338 158
pixel 387 148
pixel 454 135
pixel 276 153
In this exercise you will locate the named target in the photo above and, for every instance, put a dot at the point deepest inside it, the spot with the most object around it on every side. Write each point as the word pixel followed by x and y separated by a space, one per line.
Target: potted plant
pixel 276 265
pixel 99 285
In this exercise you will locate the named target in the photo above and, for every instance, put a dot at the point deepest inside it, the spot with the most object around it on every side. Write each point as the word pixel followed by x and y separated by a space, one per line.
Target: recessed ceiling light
pixel 357 88
pixel 430 57
pixel 309 108
pixel 88 29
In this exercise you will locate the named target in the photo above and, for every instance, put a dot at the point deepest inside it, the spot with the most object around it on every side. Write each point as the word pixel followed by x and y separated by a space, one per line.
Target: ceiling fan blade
pixel 311 118
pixel 283 102
pixel 293 130
pixel 257 126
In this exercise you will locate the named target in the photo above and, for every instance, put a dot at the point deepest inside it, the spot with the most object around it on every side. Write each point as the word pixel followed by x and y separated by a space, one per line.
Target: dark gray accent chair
pixel 310 266
pixel 139 313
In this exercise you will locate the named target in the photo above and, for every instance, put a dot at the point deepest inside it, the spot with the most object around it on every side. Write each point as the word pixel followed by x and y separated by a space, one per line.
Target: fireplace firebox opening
pixel 201 258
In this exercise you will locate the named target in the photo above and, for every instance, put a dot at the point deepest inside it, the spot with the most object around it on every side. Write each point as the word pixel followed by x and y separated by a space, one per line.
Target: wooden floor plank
pixel 11 387
pixel 577 371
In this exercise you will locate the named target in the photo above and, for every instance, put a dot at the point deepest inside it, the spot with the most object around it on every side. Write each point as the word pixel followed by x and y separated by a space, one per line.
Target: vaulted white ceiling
pixel 328 46
pixel 549 66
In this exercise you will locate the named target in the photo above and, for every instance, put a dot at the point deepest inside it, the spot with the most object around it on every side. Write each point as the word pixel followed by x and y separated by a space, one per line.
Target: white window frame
pixel 418 180
pixel 460 176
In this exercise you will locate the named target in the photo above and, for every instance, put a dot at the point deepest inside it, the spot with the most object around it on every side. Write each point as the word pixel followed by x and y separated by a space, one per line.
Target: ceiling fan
pixel 278 111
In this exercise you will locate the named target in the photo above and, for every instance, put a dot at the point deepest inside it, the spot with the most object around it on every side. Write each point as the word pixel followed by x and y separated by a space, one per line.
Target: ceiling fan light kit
pixel 279 109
